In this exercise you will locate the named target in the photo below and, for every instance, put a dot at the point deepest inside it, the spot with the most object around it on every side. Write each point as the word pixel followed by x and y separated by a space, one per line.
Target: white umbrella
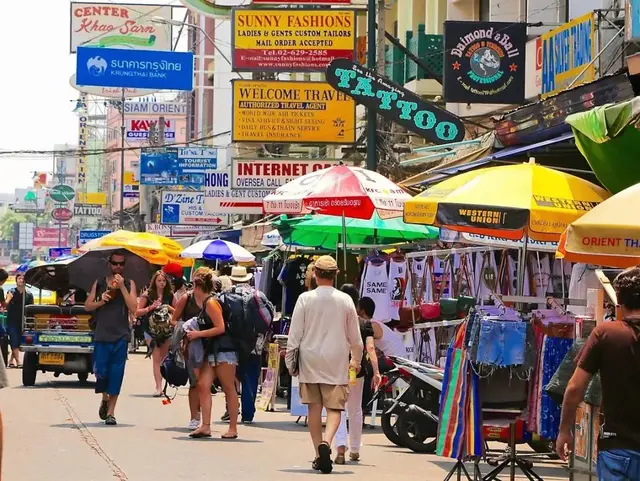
pixel 218 250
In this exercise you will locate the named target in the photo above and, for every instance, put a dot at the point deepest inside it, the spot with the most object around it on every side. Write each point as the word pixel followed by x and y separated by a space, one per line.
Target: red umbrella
pixel 341 191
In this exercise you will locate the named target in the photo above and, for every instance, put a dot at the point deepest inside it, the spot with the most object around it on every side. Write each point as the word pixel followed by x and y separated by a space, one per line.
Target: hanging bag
pixel 429 311
pixel 408 314
pixel 448 306
pixel 465 302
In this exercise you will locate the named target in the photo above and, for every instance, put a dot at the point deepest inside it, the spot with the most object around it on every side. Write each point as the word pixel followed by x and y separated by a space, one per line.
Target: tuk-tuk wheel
pixel 29 368
pixel 83 377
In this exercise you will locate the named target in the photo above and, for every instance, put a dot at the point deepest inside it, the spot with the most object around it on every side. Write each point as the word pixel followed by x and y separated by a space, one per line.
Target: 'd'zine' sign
pixel 145 69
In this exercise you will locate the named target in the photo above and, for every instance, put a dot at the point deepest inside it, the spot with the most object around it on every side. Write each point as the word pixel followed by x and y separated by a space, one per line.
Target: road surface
pixel 52 432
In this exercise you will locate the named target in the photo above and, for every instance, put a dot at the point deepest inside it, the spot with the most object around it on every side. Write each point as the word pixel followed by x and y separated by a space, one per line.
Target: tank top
pixel 390 343
pixel 398 286
pixel 375 284
pixel 192 309
pixel 112 319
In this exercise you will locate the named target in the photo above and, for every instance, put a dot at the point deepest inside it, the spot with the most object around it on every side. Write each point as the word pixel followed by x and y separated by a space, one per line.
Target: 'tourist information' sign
pixel 291 40
pixel 271 174
pixel 292 113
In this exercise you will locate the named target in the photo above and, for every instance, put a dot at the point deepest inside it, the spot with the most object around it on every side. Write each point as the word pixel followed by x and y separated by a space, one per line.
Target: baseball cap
pixel 326 263
pixel 174 270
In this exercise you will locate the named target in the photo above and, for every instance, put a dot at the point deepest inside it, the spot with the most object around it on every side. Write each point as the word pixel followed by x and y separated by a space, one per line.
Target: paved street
pixel 52 432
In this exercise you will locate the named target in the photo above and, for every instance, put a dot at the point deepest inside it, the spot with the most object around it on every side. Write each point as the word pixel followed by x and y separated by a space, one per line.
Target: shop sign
pixel 300 40
pixel 447 235
pixel 87 210
pixel 48 236
pixel 158 229
pixel 62 193
pixel 271 174
pixel 484 62
pixel 188 207
pixel 111 92
pixel 155 108
pixel 132 180
pixel 61 214
pixel 292 113
pixel 533 70
pixel 83 139
pixel 88 235
pixel 220 197
pixel 95 24
pixel 566 52
pixel 395 102
pixel 137 130
pixel 632 20
pixel 184 166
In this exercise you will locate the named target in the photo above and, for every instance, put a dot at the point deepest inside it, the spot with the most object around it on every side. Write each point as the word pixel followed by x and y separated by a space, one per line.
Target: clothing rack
pixel 455 250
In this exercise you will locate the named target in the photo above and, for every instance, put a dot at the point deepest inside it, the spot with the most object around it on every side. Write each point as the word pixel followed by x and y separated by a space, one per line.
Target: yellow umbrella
pixel 153 248
pixel 608 235
pixel 509 201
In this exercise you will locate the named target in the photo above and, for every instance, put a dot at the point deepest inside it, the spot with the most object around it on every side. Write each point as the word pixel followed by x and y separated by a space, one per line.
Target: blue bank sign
pixel 184 166
pixel 89 235
pixel 143 69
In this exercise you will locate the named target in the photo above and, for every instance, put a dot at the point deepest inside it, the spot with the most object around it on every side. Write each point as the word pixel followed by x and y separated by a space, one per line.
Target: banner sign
pixel 137 130
pixel 186 207
pixel 291 40
pixel 83 138
pixel 447 235
pixel 271 174
pixel 48 236
pixel 95 24
pixel 155 108
pixel 566 52
pixel 395 102
pixel 184 166
pixel 87 235
pixel 111 92
pixel 291 112
pixel 55 252
pixel 220 197
pixel 87 210
pixel 146 69
pixel 484 62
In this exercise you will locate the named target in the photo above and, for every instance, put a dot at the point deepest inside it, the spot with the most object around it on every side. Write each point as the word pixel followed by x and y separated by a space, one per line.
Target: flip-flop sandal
pixel 102 412
pixel 229 436
pixel 324 459
pixel 199 435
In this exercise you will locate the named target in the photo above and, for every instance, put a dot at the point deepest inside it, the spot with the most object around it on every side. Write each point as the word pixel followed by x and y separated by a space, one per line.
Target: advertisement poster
pixel 566 52
pixel 291 40
pixel 292 112
pixel 184 166
pixel 220 197
pixel 272 173
pixel 187 207
pixel 48 236
pixel 100 24
pixel 138 130
pixel 484 62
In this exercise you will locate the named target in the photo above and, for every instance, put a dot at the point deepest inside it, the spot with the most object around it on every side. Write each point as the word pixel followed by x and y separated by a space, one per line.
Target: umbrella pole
pixel 522 265
pixel 344 245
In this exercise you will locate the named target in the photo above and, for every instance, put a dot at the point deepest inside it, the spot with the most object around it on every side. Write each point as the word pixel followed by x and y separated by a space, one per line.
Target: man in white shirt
pixel 324 329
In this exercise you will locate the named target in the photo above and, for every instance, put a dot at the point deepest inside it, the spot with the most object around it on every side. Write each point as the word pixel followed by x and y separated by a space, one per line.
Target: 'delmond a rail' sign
pixel 394 102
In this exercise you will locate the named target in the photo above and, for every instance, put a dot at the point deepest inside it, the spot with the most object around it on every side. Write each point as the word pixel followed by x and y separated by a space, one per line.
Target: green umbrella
pixel 325 231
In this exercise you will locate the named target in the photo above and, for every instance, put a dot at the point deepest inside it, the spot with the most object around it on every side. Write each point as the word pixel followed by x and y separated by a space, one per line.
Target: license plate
pixel 52 358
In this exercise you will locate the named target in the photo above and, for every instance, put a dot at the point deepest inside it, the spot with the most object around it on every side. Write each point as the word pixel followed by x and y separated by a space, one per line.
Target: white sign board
pixel 447 235
pixel 187 207
pixel 159 229
pixel 220 197
pixel 272 173
pixel 113 25
pixel 533 69
pixel 156 108
pixel 112 92
pixel 137 130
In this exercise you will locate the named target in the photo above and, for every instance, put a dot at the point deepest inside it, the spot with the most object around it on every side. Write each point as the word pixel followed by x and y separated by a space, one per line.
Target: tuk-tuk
pixel 56 338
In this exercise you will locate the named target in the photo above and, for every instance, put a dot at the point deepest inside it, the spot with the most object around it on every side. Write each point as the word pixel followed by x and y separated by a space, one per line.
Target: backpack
pixel 160 327
pixel 247 313
pixel 174 370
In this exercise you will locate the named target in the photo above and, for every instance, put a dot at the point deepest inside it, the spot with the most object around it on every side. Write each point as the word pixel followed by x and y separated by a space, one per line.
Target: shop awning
pixel 441 173
pixel 608 137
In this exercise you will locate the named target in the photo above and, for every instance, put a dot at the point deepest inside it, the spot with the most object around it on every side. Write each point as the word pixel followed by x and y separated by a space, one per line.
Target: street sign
pixel 62 214
pixel 88 235
pixel 186 207
pixel 147 69
pixel 55 252
pixel 62 193
pixel 184 166
pixel 87 210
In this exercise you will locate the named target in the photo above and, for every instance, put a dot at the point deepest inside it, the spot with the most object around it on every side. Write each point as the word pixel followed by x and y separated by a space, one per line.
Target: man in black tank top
pixel 111 299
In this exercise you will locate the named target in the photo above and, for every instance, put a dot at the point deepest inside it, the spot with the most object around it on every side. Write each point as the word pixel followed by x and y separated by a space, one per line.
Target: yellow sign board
pixel 292 112
pixel 567 51
pixel 95 198
pixel 291 40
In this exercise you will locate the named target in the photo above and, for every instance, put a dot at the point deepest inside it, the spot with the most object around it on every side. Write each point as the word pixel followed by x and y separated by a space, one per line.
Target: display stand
pixel 459 469
pixel 512 462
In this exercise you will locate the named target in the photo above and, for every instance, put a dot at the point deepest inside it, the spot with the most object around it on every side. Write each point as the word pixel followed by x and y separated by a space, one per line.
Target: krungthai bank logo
pixel 97 66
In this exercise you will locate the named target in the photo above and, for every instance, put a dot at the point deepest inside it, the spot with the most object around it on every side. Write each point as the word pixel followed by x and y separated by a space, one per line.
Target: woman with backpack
pixel 221 356
pixel 156 307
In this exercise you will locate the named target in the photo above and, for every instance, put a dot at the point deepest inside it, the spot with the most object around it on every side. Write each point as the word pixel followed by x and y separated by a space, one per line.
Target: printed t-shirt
pixel 375 284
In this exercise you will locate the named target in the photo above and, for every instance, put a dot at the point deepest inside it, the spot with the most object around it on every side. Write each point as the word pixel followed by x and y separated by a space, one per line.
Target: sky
pixel 37 98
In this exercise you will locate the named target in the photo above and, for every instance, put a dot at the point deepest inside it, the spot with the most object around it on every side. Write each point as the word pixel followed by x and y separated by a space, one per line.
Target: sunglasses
pixel 114 263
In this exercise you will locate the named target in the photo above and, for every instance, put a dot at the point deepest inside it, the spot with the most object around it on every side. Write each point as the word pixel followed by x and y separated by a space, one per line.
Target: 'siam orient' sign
pixel 271 174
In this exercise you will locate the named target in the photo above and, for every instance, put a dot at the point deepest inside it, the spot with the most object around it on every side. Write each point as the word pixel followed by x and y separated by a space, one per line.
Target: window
pixel 485 10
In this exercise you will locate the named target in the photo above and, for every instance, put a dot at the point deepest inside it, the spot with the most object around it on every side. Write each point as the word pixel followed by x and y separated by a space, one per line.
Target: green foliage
pixel 9 219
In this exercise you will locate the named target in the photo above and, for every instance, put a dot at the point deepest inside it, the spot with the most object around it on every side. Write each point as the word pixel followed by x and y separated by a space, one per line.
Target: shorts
pixel 223 358
pixel 109 360
pixel 15 336
pixel 328 395
pixel 502 343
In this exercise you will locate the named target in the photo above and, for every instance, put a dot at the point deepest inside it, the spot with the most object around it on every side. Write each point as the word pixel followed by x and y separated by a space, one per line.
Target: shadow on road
pixel 70 384
pixel 218 439
pixel 544 470
pixel 92 425
pixel 308 471
pixel 280 426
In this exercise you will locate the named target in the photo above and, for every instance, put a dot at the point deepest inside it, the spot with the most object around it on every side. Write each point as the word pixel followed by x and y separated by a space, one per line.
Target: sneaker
pixel 194 424
pixel 339 459
pixel 354 457
pixel 110 421
pixel 102 412
pixel 226 417
pixel 247 421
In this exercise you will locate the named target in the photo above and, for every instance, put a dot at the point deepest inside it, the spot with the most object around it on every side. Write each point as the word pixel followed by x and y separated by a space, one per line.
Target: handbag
pixel 465 303
pixel 408 315
pixel 429 311
pixel 448 306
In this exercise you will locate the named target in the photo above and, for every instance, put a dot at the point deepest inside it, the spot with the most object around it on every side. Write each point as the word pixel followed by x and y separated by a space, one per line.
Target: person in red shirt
pixel 613 349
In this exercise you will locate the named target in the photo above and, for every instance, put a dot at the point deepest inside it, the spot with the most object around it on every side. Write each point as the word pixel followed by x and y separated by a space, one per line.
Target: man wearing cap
pixel 324 330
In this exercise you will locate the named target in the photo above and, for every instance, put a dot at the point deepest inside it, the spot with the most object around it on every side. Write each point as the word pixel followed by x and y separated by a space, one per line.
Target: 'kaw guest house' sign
pixel 394 102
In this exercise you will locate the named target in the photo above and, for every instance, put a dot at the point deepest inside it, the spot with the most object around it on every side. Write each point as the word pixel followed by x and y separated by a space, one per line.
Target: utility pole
pixel 372 161
pixel 122 134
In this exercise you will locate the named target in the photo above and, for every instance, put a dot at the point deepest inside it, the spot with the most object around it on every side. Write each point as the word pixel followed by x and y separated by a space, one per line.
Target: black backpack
pixel 174 371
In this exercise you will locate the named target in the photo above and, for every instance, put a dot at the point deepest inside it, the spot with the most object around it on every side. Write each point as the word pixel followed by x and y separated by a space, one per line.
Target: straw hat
pixel 240 274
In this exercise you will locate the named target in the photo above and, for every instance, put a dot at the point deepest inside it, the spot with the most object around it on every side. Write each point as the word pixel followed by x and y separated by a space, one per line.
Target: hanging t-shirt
pixel 375 284
pixel 421 277
pixel 558 277
pixel 583 278
pixel 541 274
pixel 485 268
pixel 398 286
pixel 513 278
pixel 294 276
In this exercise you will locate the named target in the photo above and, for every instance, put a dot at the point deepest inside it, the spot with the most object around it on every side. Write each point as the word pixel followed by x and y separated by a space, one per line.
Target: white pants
pixel 354 411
